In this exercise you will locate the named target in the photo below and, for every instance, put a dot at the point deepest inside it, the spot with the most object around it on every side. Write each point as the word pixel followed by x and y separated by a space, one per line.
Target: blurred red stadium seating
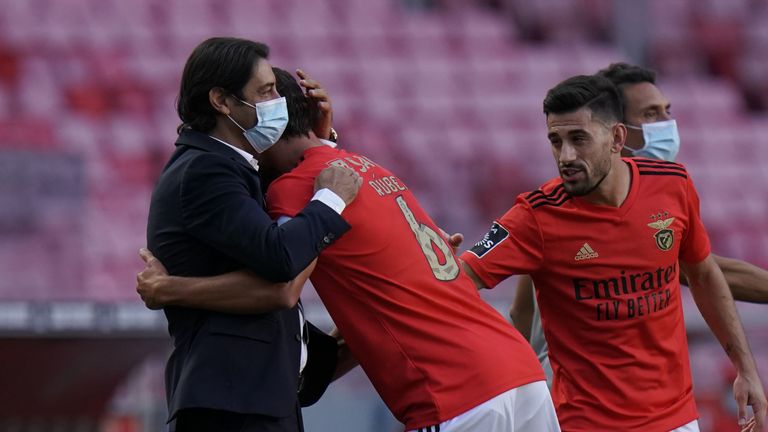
pixel 455 93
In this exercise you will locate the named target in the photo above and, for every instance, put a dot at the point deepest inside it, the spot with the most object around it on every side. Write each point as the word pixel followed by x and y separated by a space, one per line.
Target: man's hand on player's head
pixel 150 280
pixel 316 93
pixel 344 182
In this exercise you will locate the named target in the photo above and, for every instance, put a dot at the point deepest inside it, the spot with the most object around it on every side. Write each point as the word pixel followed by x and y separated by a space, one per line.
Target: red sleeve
pixel 289 194
pixel 512 246
pixel 695 246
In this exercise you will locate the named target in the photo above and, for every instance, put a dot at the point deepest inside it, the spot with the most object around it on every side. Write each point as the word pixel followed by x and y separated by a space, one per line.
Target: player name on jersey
pixel 621 303
pixel 383 185
pixel 387 185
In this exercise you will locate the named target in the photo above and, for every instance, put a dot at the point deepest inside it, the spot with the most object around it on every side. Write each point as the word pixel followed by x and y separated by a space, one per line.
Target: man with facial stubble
pixel 604 244
pixel 651 133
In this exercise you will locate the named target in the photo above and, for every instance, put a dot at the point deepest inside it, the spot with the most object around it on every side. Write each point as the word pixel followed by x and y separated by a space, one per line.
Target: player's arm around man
pixel 715 302
pixel 239 292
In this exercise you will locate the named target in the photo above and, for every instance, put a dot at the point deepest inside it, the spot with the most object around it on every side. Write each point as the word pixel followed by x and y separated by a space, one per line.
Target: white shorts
pixel 525 408
pixel 689 427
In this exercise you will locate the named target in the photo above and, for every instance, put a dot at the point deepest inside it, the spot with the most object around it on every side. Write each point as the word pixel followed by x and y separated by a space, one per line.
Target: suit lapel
pixel 191 138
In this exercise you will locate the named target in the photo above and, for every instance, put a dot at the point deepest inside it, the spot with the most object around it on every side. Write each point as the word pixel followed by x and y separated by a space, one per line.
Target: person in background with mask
pixel 239 371
pixel 604 243
pixel 651 133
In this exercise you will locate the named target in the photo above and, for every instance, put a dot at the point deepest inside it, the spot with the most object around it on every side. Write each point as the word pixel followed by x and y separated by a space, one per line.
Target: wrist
pixel 745 367
pixel 743 362
pixel 164 292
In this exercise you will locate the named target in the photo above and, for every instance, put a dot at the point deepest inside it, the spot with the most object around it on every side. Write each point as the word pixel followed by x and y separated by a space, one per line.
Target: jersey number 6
pixel 427 237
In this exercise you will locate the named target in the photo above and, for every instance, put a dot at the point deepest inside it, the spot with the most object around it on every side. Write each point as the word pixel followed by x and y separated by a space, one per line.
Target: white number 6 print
pixel 426 237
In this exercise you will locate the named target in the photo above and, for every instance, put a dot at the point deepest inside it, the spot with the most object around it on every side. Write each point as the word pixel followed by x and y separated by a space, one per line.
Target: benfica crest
pixel 665 237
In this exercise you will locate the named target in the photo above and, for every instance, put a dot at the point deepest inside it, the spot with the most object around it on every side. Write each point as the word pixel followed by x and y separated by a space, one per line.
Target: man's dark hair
pixel 217 62
pixel 592 91
pixel 301 111
pixel 622 74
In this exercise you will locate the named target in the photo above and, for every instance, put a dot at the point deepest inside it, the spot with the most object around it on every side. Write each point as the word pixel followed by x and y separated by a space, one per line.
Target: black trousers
pixel 209 420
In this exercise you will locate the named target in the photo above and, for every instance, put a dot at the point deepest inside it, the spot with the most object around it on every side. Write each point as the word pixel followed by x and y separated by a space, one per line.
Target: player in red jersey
pixel 440 357
pixel 645 107
pixel 604 244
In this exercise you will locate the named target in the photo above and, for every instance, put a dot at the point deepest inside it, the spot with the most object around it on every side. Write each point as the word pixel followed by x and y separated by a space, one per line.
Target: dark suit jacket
pixel 206 218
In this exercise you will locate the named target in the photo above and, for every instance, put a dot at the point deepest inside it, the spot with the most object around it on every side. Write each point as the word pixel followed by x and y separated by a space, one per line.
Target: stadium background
pixel 446 93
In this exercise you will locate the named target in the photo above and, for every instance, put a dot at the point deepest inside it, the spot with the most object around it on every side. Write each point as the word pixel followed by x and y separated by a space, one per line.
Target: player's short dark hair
pixel 592 91
pixel 622 74
pixel 217 62
pixel 301 111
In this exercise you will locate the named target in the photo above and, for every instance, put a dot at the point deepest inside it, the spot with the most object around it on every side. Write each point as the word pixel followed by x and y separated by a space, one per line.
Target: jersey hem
pixel 446 415
pixel 661 424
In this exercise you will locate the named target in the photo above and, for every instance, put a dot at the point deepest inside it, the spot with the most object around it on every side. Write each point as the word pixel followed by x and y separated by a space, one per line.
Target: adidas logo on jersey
pixel 586 252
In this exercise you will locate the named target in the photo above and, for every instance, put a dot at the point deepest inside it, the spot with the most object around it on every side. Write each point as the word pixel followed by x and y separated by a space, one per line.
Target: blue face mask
pixel 271 121
pixel 662 140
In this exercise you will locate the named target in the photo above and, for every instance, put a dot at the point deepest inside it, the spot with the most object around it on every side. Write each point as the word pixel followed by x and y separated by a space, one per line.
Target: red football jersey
pixel 431 346
pixel 608 289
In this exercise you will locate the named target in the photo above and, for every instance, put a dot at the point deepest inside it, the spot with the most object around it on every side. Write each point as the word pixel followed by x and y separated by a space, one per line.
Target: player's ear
pixel 619 137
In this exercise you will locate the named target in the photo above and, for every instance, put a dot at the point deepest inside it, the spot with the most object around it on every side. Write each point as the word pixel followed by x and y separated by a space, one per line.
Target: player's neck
pixel 302 143
pixel 614 188
pixel 313 141
pixel 299 144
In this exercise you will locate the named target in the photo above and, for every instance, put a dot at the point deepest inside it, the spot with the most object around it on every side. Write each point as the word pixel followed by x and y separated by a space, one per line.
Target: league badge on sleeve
pixel 492 238
pixel 665 237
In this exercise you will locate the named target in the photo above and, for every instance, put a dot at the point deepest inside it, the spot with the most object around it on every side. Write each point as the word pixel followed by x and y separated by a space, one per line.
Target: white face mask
pixel 662 140
pixel 271 121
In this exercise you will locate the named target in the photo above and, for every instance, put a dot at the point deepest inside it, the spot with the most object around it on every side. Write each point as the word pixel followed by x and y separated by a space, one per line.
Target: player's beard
pixel 592 179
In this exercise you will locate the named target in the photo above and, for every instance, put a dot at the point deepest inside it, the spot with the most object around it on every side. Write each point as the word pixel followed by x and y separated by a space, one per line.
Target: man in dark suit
pixel 236 372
